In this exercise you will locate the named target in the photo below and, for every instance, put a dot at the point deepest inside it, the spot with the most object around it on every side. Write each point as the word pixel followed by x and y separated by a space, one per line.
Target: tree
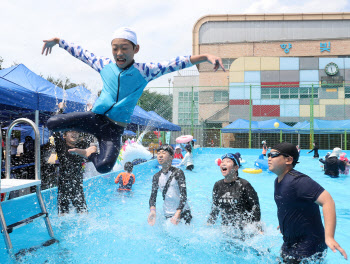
pixel 63 83
pixel 1 61
pixel 160 103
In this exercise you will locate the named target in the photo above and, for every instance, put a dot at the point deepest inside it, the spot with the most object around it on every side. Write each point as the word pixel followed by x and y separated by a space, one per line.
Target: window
pixel 347 91
pixel 227 63
pixel 221 96
pixel 185 108
pixel 289 92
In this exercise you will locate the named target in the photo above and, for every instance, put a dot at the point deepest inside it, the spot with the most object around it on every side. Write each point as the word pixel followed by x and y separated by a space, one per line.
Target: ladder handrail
pixel 8 147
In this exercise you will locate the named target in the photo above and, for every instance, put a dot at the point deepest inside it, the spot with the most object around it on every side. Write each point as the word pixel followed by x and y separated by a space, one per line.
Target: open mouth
pixel 121 60
pixel 223 169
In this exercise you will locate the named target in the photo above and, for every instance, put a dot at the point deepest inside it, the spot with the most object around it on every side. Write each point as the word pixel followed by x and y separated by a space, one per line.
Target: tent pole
pixel 281 138
pixel 312 116
pixel 345 141
pixel 37 117
pixel 250 117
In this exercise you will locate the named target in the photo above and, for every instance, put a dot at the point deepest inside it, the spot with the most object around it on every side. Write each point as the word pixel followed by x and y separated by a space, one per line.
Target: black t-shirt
pixel 333 165
pixel 298 215
pixel 237 202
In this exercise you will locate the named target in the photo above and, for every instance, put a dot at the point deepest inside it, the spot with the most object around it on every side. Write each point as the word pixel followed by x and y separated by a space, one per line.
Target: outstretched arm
pixel 326 201
pixel 95 62
pixel 216 61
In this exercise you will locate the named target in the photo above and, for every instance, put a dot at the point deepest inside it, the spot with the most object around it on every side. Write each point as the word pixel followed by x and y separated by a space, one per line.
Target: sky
pixel 164 29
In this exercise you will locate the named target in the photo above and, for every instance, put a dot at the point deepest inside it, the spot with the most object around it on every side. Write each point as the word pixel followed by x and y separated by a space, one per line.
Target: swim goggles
pixel 230 156
pixel 275 154
pixel 167 148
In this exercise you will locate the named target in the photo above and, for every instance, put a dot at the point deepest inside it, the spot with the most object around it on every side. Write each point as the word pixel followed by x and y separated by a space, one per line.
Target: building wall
pixel 294 73
pixel 290 51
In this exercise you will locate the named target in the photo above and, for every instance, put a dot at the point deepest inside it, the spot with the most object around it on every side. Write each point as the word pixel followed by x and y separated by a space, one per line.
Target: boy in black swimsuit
pixel 233 197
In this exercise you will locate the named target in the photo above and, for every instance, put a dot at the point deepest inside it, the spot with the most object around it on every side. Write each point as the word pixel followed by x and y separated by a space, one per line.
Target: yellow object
pixel 253 171
pixel 276 124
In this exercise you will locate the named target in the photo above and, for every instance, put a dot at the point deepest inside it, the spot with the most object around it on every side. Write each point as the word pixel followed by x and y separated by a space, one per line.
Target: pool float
pixel 252 171
pixel 184 139
pixel 261 163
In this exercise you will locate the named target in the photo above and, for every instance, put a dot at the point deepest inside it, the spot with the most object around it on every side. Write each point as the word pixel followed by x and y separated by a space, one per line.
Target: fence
pixel 203 110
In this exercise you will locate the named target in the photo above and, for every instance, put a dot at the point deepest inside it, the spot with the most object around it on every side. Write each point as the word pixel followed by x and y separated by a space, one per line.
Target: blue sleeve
pixel 151 71
pixel 307 188
pixel 95 62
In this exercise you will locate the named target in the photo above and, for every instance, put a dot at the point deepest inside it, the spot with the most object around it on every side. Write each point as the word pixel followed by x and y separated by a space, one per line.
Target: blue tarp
pixel 165 123
pixel 30 91
pixel 266 126
pixel 28 131
pixel 83 94
pixel 323 126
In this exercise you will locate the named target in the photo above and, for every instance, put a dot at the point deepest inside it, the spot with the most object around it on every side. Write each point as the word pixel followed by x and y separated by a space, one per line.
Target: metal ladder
pixel 7 185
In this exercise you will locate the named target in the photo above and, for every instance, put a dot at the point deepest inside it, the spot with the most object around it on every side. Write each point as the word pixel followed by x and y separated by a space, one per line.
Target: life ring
pixel 252 171
pixel 184 139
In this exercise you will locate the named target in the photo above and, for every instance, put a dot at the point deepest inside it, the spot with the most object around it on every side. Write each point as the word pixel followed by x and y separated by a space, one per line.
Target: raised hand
pixel 48 44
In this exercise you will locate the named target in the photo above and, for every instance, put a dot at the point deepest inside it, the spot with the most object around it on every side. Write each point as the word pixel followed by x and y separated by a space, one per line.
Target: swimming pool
pixel 116 228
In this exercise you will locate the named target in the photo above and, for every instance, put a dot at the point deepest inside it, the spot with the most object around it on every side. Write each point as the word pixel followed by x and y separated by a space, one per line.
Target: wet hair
pixel 28 138
pixel 128 166
pixel 167 148
pixel 188 148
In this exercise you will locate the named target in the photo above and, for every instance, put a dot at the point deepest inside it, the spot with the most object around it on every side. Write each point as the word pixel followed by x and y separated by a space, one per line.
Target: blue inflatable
pixel 261 163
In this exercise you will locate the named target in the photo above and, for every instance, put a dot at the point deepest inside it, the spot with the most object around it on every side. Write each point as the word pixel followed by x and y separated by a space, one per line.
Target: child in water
pixel 234 197
pixel 264 148
pixel 315 149
pixel 178 154
pixel 123 83
pixel 188 159
pixel 126 179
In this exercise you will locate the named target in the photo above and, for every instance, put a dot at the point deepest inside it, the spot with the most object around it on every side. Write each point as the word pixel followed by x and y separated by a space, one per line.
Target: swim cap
pixel 289 149
pixel 336 152
pixel 232 157
pixel 166 148
pixel 125 33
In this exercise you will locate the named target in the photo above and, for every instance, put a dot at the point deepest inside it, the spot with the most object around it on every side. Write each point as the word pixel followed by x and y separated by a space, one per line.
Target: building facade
pixel 280 61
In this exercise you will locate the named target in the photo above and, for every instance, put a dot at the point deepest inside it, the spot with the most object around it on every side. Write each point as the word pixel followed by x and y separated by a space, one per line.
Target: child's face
pixel 71 137
pixel 228 167
pixel 123 52
pixel 164 157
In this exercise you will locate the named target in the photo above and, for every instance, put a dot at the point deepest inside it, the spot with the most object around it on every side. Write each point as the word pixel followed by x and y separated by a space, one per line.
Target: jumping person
pixel 298 198
pixel 123 84
pixel 234 197
pixel 70 180
pixel 126 179
pixel 172 183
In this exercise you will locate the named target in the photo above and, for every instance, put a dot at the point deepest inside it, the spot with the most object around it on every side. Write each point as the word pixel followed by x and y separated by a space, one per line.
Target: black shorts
pixel 306 249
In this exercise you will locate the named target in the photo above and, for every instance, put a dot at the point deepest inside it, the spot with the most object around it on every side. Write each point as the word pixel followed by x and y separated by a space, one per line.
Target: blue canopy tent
pixel 129 133
pixel 41 94
pixel 140 117
pixel 266 126
pixel 167 124
pixel 84 95
pixel 28 131
pixel 324 126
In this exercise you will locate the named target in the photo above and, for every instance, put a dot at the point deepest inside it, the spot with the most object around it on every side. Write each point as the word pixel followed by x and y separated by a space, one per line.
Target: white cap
pixel 125 33
pixel 336 152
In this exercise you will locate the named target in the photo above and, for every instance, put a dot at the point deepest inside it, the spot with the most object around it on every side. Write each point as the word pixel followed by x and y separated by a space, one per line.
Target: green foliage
pixel 63 83
pixel 162 104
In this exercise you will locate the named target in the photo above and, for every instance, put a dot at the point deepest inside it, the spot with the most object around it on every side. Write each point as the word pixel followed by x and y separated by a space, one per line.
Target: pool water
pixel 116 229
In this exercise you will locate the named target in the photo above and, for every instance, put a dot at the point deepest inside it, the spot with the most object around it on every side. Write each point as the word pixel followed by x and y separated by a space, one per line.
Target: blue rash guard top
pixel 298 215
pixel 122 87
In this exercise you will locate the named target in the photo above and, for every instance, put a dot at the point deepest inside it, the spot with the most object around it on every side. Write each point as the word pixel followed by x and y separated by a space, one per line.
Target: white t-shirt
pixel 172 197
pixel 188 159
